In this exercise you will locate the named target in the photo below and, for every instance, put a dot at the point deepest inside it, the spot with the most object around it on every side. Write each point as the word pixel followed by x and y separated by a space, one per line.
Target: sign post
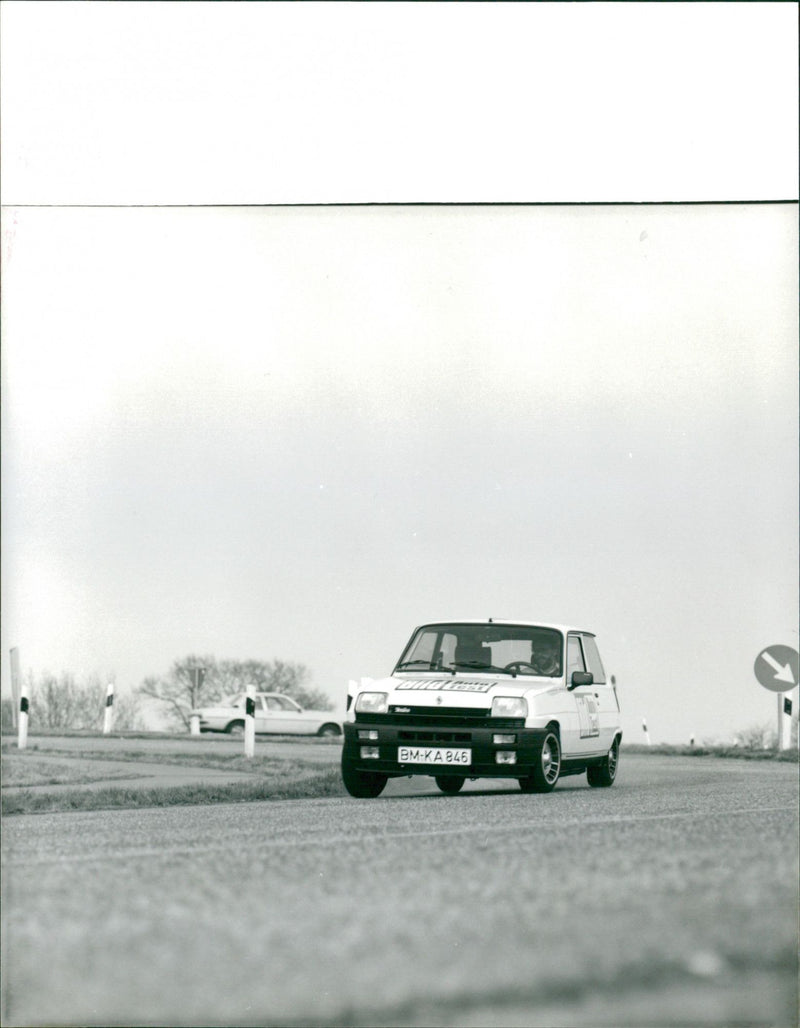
pixel 775 668
pixel 198 677
pixel 16 679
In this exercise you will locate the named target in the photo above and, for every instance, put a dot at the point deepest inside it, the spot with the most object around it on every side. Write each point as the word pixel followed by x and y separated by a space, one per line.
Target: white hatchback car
pixel 485 699
pixel 275 714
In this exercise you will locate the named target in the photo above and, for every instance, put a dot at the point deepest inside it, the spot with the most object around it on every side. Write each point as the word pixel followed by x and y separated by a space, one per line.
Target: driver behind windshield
pixel 544 655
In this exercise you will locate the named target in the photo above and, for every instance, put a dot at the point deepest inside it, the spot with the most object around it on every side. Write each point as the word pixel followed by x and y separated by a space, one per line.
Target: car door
pixel 585 699
pixel 284 716
pixel 262 714
pixel 604 694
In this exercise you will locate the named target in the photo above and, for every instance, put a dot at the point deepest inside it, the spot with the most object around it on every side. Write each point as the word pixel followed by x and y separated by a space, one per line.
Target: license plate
pixel 433 755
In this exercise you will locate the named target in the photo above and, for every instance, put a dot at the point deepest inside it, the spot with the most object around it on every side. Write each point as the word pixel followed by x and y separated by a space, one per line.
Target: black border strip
pixel 412 203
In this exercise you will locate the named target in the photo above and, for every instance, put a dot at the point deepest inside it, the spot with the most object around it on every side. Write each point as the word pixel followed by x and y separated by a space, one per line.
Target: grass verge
pixel 791 756
pixel 21 772
pixel 262 763
pixel 327 782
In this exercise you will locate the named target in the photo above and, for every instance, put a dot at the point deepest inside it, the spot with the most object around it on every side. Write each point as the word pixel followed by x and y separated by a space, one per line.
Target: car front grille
pixel 443 718
pixel 429 737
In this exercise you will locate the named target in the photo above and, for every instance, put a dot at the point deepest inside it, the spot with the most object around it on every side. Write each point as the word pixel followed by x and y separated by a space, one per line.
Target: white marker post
pixel 250 722
pixel 22 727
pixel 194 724
pixel 646 733
pixel 16 678
pixel 107 714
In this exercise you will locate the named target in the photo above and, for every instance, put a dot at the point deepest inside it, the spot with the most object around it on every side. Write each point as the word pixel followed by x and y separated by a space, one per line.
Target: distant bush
pixel 757 737
pixel 7 715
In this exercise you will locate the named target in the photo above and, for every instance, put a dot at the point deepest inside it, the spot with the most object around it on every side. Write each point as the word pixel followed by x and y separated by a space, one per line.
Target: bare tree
pixel 196 681
pixel 189 683
pixel 275 676
pixel 60 703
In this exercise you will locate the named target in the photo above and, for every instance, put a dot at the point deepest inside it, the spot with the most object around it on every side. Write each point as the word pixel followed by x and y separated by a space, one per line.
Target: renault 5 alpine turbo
pixel 485 699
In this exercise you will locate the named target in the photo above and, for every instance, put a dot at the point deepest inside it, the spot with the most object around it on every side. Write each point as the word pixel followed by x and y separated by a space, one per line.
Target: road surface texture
pixel 670 899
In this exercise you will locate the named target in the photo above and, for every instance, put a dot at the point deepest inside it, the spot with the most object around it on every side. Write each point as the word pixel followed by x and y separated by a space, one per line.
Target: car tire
pixel 544 774
pixel 236 729
pixel 329 731
pixel 449 784
pixel 364 785
pixel 601 776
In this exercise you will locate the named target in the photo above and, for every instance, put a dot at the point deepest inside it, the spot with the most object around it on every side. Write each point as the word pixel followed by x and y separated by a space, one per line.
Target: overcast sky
pixel 263 432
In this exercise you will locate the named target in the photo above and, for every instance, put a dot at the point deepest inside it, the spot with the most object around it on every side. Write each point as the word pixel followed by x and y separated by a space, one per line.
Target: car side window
pixel 593 659
pixel 280 703
pixel 575 661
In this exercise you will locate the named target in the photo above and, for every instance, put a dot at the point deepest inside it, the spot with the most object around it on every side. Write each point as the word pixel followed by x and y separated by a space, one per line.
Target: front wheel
pixel 602 775
pixel 236 729
pixel 544 774
pixel 449 783
pixel 329 732
pixel 364 785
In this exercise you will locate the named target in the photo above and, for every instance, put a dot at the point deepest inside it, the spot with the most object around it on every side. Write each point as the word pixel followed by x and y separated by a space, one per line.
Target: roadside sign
pixel 776 668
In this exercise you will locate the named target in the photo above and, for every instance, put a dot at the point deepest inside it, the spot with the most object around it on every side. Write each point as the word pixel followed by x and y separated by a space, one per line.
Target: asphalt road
pixel 668 899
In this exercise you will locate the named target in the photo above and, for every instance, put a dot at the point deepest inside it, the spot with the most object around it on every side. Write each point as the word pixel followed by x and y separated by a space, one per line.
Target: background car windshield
pixel 521 649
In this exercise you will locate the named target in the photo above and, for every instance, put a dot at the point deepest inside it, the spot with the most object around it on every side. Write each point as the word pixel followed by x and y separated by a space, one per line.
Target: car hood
pixel 461 690
pixel 218 711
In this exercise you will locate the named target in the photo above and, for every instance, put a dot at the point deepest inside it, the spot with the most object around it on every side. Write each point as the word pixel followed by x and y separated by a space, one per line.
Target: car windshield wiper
pixel 414 663
pixel 479 665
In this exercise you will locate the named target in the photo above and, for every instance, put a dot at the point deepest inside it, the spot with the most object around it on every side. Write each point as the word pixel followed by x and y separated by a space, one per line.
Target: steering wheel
pixel 519 664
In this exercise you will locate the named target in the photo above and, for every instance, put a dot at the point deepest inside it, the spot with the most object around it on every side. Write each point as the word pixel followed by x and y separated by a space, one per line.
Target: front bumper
pixel 393 733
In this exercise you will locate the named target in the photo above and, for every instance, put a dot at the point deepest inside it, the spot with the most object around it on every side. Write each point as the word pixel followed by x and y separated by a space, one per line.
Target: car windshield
pixel 490 647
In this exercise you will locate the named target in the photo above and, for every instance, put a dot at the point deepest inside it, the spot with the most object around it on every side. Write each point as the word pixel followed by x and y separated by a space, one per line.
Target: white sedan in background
pixel 276 714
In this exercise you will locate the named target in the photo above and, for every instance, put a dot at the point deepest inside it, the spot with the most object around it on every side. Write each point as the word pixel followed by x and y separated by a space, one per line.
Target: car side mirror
pixel 581 678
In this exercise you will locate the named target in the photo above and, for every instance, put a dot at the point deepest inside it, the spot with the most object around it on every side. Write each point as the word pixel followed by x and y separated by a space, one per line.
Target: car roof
pixel 520 622
pixel 259 692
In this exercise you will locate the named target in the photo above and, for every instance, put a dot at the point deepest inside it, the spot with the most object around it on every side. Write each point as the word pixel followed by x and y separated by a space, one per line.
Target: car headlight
pixel 509 706
pixel 372 702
